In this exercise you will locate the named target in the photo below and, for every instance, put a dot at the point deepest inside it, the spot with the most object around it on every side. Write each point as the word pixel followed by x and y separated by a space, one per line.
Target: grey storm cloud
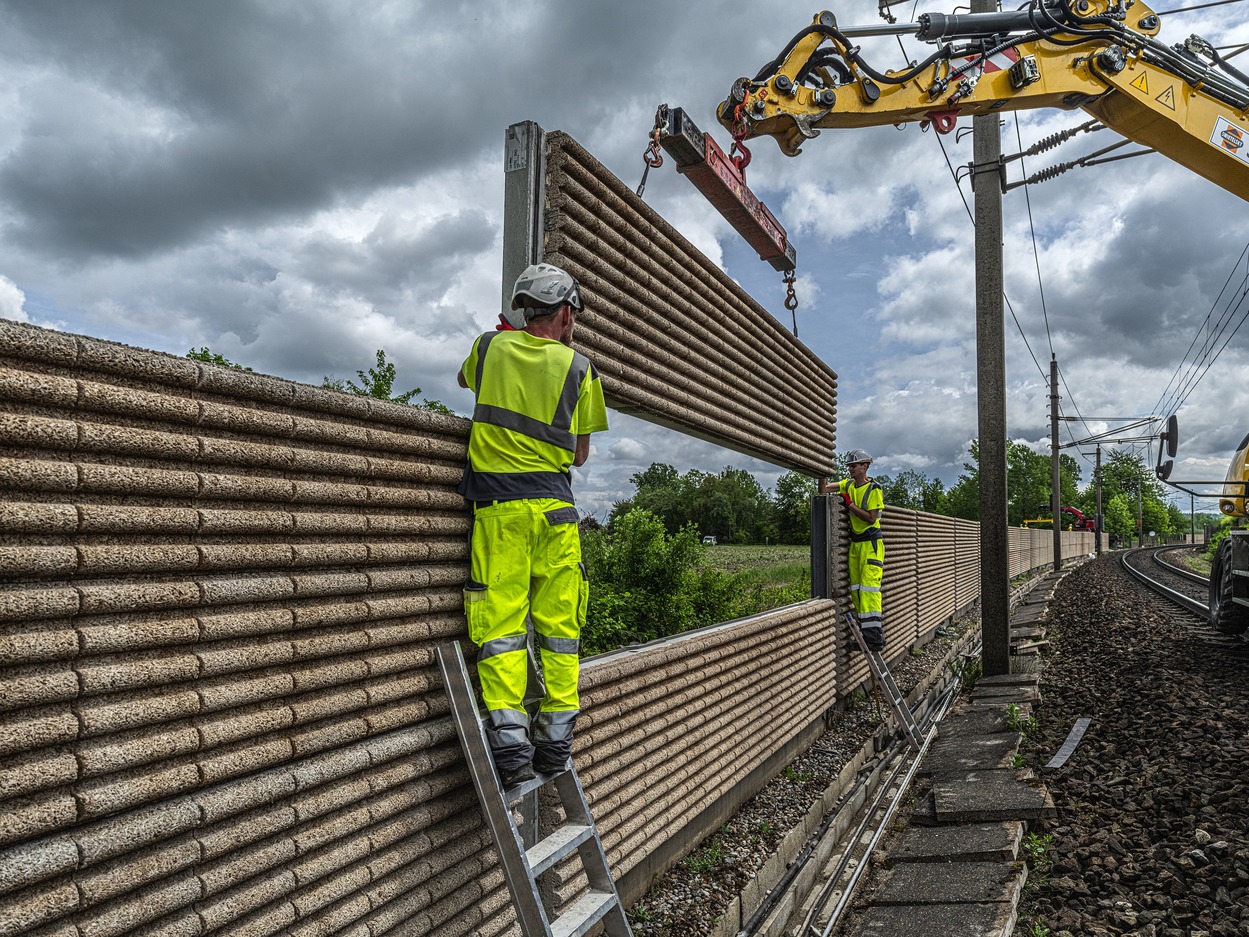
pixel 209 115
pixel 389 258
pixel 164 121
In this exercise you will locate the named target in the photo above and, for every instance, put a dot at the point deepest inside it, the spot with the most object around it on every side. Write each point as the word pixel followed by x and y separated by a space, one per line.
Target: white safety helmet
pixel 858 455
pixel 540 290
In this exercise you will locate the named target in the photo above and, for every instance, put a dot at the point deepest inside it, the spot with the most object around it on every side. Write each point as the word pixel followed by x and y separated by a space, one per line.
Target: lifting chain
pixel 739 135
pixel 652 156
pixel 791 299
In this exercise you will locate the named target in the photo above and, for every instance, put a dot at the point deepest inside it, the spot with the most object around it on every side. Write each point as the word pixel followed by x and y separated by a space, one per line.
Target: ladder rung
pixel 559 844
pixel 587 911
pixel 517 791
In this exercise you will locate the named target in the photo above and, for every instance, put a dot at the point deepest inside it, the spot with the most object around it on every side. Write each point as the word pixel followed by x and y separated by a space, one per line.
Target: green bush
pixel 646 583
pixel 1225 526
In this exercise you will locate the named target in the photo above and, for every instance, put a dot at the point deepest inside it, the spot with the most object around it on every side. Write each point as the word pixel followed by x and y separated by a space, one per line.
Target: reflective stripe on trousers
pixel 867 569
pixel 526 562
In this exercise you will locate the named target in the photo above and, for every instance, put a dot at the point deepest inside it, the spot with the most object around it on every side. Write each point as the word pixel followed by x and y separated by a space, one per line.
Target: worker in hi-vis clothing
pixel 864 501
pixel 537 402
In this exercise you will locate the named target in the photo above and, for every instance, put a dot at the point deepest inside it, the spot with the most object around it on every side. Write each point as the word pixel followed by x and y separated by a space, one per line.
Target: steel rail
pixel 1179 570
pixel 1179 598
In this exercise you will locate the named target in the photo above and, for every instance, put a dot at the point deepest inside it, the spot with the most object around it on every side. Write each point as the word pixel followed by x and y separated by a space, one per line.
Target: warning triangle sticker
pixel 1167 98
pixel 1141 84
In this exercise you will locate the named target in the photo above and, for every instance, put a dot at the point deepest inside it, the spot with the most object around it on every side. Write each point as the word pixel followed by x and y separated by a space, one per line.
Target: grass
pixel 1036 849
pixel 1199 563
pixel 1016 722
pixel 770 576
pixel 774 564
pixel 706 860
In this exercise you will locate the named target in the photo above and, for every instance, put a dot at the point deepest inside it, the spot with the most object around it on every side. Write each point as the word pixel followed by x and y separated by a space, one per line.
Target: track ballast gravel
pixel 1152 832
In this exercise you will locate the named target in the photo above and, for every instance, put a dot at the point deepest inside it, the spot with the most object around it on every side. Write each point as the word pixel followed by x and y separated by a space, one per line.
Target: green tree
pixel 1179 519
pixel 731 504
pixel 1157 519
pixel 1119 516
pixel 963 498
pixel 206 355
pixel 915 490
pixel 792 499
pixel 734 507
pixel 1125 480
pixel 379 383
pixel 662 491
pixel 1028 483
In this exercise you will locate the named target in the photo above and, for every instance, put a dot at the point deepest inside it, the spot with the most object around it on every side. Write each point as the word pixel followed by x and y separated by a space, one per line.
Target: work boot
pixel 552 740
pixel 516 775
pixel 873 637
pixel 549 761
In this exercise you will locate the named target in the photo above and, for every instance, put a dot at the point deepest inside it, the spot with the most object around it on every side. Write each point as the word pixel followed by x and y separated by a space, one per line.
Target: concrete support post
pixel 1099 523
pixel 524 184
pixel 991 389
pixel 821 547
pixel 1056 494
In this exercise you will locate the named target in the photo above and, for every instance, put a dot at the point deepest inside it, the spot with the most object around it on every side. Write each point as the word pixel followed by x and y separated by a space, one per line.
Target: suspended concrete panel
pixel 676 341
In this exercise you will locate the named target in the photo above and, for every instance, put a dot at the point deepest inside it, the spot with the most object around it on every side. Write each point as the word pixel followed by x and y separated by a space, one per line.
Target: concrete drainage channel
pixel 774 902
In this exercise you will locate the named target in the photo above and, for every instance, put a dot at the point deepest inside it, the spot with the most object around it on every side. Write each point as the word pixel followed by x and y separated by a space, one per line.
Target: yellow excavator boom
pixel 1097 55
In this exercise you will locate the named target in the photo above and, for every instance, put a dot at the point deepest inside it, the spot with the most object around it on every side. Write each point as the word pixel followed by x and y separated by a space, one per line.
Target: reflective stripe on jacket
pixel 534 397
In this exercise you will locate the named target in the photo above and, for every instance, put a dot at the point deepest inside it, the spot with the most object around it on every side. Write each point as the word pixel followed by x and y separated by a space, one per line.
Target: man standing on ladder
pixel 537 402
pixel 864 499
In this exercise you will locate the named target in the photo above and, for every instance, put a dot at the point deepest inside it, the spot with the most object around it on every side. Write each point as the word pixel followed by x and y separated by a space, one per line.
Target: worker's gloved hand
pixel 845 498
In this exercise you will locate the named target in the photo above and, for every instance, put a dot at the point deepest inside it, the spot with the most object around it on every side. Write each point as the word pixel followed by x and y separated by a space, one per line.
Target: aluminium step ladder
pixel 882 676
pixel 521 866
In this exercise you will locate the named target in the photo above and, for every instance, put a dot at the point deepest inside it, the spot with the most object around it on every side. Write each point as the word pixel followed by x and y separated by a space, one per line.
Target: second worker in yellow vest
pixel 537 402
pixel 864 501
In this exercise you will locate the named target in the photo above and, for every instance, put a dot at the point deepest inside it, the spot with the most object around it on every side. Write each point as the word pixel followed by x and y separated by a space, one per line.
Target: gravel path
pixel 689 899
pixel 1152 836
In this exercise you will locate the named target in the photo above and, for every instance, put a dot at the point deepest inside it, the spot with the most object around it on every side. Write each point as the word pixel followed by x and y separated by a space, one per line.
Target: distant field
pixel 761 565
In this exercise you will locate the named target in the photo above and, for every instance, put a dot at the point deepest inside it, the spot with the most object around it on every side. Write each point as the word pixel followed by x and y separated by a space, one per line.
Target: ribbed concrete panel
pixel 673 726
pixel 966 562
pixel 219 709
pixel 938 560
pixel 676 341
pixel 903 585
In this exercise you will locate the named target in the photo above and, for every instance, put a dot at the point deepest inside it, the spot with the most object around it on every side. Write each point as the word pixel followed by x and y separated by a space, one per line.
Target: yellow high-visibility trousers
pixel 867 571
pixel 525 561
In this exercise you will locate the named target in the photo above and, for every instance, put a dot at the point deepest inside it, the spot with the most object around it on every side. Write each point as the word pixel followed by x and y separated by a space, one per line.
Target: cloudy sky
pixel 295 183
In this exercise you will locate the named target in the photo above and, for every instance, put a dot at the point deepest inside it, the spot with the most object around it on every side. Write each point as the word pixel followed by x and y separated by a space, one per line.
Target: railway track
pixel 1160 569
pixel 1153 828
